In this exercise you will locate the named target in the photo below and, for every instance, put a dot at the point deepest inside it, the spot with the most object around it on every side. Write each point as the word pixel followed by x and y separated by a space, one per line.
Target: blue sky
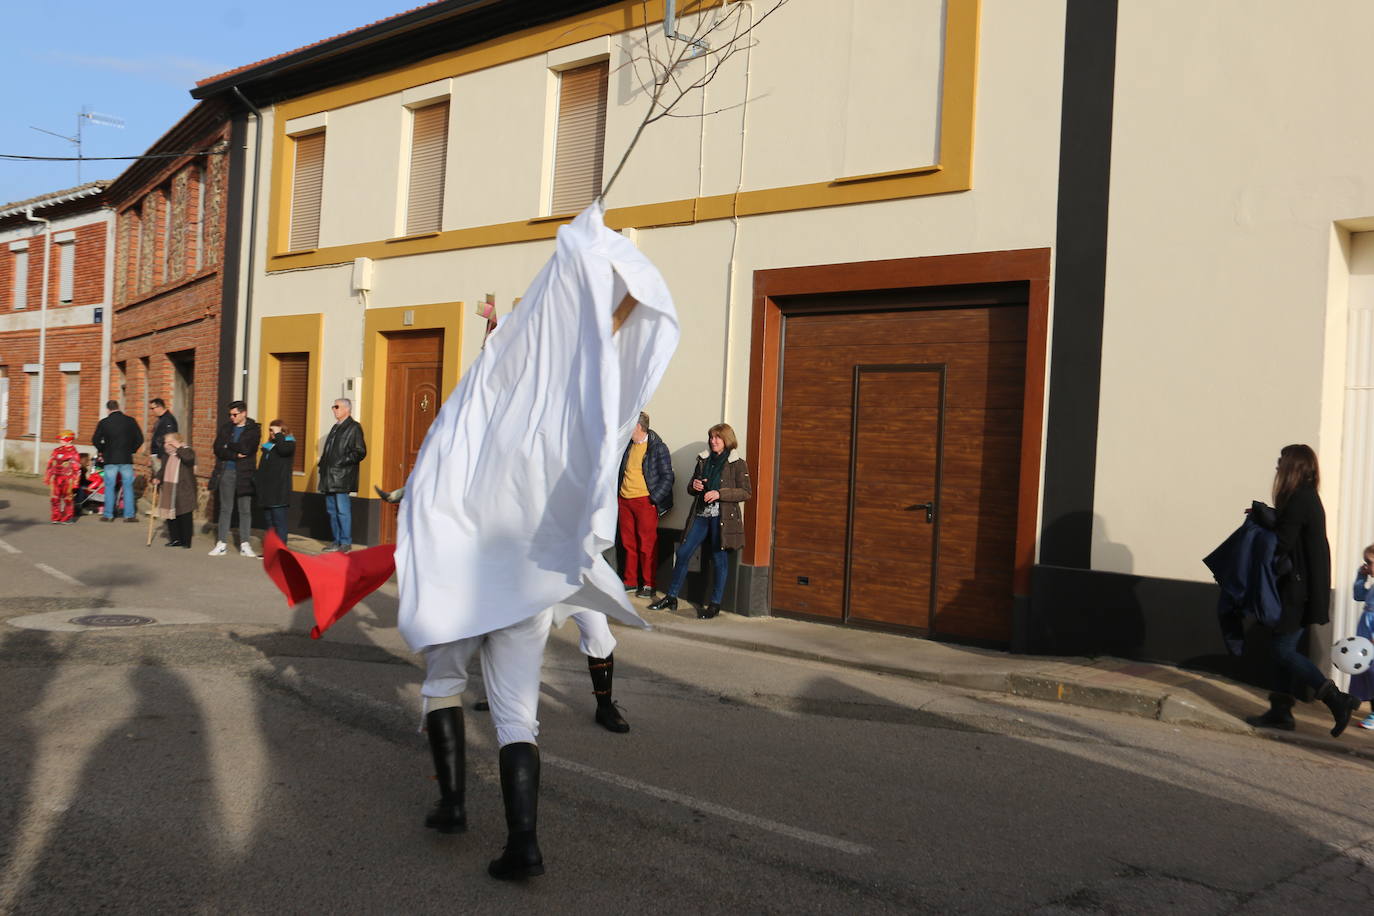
pixel 137 61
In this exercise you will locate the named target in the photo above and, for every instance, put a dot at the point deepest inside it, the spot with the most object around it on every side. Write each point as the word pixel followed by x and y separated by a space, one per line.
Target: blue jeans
pixel 340 509
pixel 275 517
pixel 696 537
pixel 1295 669
pixel 114 474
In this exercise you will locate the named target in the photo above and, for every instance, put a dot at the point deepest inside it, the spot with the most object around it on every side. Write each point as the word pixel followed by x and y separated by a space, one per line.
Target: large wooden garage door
pixel 899 452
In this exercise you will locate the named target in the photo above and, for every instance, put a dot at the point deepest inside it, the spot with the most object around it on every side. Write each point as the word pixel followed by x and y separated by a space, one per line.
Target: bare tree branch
pixel 664 89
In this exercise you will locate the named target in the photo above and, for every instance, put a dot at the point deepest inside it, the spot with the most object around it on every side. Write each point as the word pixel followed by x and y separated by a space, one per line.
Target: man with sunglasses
pixel 236 451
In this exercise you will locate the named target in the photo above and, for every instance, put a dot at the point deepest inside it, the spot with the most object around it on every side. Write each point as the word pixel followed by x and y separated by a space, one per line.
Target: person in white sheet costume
pixel 512 501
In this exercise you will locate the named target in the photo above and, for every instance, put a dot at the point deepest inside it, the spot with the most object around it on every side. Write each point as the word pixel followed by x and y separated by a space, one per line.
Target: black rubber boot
pixel 607 715
pixel 1279 715
pixel 445 729
pixel 520 792
pixel 666 603
pixel 1342 706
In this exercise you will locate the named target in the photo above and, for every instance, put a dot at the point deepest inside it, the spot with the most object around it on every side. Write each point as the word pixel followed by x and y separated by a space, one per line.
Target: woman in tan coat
pixel 176 494
pixel 719 485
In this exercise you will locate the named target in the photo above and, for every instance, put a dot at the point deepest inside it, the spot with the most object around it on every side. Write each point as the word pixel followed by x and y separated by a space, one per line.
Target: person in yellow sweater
pixel 646 495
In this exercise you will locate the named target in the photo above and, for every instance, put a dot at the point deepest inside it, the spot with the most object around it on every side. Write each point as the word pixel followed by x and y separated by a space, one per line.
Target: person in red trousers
pixel 646 495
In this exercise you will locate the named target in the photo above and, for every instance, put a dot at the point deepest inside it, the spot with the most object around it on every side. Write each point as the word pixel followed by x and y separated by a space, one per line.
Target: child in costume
pixel 1362 685
pixel 62 476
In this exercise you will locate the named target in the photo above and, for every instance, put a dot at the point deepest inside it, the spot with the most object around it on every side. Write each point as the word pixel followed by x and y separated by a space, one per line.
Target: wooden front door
pixel 898 464
pixel 414 364
pixel 894 493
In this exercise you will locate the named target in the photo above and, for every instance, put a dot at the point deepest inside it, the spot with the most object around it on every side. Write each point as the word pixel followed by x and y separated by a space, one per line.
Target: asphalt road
pixel 220 761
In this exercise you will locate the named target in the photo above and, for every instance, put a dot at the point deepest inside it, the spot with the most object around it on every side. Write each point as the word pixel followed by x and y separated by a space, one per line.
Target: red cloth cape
pixel 337 581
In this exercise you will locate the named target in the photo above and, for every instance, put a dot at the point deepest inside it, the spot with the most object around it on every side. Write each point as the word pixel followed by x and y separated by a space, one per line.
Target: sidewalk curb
pixel 1171 708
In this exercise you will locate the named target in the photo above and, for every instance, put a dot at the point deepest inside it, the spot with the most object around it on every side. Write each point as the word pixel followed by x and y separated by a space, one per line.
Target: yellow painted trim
pixel 292 334
pixel 377 323
pixel 895 173
pixel 954 171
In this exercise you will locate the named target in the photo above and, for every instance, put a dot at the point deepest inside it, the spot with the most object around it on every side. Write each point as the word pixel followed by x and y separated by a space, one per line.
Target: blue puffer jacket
pixel 658 472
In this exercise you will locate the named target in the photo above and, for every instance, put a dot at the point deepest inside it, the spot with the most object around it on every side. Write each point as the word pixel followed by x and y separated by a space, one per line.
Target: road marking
pixel 59 574
pixel 8 548
pixel 796 833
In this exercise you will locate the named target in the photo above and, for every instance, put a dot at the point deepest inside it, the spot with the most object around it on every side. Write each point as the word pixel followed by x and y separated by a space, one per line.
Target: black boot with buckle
pixel 1341 704
pixel 607 715
pixel 520 791
pixel 445 730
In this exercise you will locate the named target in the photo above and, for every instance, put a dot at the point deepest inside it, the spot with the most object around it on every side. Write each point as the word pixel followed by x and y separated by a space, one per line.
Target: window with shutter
pixel 581 137
pixel 307 186
pixel 293 398
pixel 21 279
pixel 428 152
pixel 66 271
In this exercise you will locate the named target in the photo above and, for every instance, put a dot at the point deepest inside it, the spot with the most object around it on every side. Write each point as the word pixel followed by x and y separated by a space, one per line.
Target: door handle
pixel 930 510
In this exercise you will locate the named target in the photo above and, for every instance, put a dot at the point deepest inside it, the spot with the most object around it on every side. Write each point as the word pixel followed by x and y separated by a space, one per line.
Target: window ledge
pixel 294 253
pixel 418 235
pixel 552 218
pixel 899 173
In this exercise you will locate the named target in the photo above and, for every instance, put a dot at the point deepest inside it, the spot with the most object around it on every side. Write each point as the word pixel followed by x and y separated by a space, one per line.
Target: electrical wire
pixel 13 157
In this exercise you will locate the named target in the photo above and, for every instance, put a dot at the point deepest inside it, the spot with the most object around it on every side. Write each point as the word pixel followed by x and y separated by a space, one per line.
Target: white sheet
pixel 513 496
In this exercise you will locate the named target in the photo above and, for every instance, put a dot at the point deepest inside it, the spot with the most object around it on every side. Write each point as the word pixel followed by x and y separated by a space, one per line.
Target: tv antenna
pixel 82 116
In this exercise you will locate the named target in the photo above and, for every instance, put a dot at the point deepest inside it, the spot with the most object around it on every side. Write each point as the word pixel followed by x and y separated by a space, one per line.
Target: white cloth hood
pixel 513 496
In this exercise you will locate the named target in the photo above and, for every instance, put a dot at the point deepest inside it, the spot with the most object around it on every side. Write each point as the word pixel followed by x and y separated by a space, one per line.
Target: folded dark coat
pixel 1243 566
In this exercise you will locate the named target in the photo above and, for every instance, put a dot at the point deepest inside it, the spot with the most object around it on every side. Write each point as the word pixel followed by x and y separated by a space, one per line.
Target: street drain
pixel 112 620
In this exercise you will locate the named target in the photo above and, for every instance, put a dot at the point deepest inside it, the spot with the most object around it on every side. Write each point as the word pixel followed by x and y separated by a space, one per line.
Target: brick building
pixel 171 332
pixel 55 291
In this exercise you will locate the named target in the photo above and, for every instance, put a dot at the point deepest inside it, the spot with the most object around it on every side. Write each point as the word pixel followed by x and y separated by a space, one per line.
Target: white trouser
pixel 511 659
pixel 597 640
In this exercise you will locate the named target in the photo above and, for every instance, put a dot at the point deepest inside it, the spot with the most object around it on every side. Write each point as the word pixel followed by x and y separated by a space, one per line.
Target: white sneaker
pixel 219 550
pixel 246 549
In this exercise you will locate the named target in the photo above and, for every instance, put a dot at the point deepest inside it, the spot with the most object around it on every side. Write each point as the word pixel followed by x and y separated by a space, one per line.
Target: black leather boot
pixel 607 716
pixel 520 792
pixel 445 730
pixel 1279 715
pixel 666 603
pixel 1342 706
pixel 709 611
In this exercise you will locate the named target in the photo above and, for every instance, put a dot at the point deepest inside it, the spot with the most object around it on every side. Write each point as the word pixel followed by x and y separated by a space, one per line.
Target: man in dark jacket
pixel 344 449
pixel 236 455
pixel 646 494
pixel 166 423
pixel 116 439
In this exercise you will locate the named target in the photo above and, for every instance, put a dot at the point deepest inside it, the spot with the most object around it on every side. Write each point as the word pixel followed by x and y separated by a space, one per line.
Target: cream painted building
pixel 1011 303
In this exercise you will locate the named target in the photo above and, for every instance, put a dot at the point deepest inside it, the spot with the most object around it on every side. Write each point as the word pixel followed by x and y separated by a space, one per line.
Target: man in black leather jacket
pixel 344 448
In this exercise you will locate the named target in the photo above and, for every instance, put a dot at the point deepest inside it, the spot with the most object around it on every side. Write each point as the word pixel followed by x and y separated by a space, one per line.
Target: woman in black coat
pixel 273 477
pixel 1305 591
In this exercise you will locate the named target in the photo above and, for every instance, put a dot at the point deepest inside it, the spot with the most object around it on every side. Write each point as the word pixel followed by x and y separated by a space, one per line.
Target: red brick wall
pixel 65 345
pixel 80 343
pixel 168 292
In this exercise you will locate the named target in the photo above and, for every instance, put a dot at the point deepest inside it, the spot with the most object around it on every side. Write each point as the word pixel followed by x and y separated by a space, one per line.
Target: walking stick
pixel 152 513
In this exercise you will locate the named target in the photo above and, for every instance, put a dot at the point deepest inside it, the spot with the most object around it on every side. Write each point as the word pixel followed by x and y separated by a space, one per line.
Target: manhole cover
pixel 112 620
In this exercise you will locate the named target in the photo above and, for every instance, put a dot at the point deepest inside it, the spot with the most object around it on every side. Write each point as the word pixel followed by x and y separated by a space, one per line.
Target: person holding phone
pixel 719 486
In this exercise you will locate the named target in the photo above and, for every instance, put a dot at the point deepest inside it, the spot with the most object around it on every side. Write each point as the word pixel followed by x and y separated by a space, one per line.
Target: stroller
pixel 91 497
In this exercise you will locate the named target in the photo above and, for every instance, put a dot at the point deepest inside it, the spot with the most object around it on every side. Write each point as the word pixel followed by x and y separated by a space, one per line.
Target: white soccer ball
pixel 1353 655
